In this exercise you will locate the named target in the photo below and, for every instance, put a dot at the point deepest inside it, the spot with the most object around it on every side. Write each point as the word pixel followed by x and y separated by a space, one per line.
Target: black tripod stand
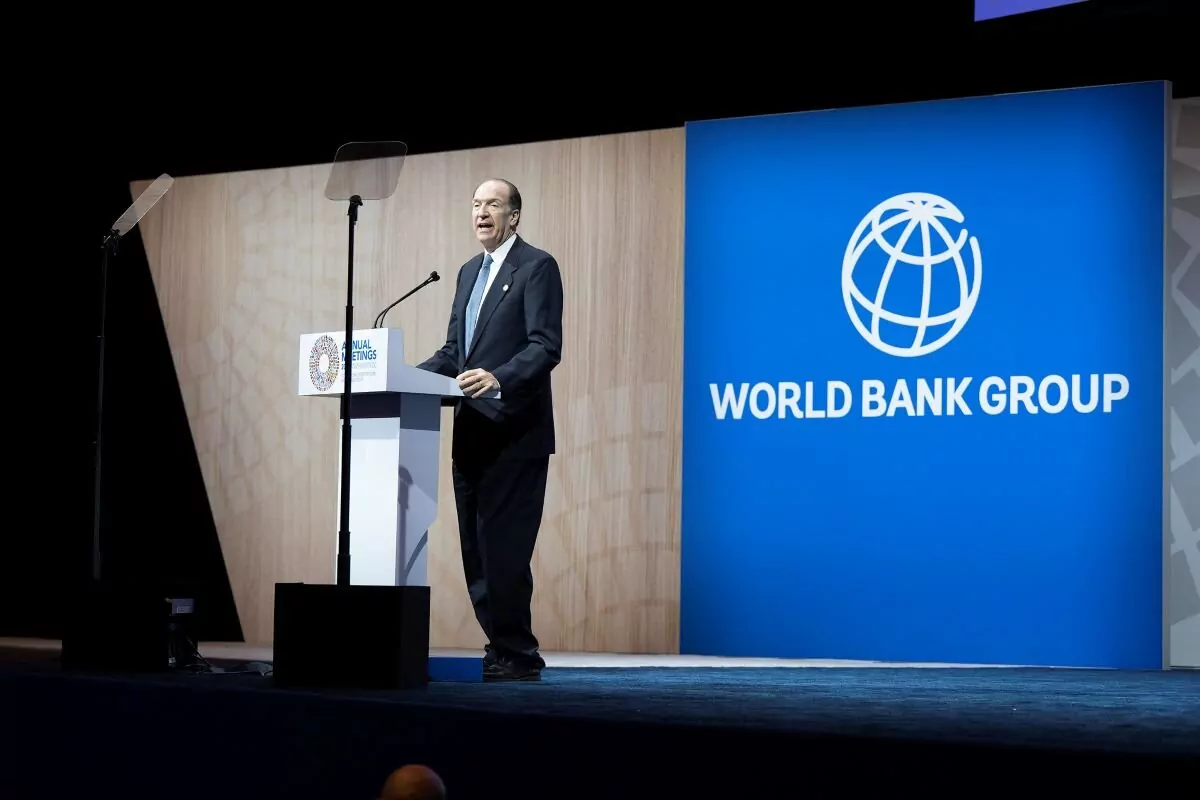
pixel 109 628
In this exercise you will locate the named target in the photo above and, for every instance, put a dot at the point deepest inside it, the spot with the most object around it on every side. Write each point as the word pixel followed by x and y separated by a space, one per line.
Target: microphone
pixel 433 276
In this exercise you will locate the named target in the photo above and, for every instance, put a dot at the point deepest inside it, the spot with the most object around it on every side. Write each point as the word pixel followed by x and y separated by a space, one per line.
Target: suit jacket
pixel 518 338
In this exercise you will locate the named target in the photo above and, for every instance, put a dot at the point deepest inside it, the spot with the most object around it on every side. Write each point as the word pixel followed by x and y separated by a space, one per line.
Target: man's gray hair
pixel 514 194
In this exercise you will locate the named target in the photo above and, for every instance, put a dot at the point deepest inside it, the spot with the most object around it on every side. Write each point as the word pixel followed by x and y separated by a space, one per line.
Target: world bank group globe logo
pixel 324 363
pixel 908 282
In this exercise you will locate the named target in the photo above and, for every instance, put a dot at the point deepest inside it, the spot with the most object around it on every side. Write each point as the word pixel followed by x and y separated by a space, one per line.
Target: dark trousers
pixel 499 512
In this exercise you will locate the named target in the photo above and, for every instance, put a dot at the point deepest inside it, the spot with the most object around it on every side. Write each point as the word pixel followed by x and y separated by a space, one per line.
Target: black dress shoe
pixel 511 671
pixel 489 657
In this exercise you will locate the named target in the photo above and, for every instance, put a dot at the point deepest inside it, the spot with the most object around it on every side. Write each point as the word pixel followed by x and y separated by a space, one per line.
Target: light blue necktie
pixel 477 299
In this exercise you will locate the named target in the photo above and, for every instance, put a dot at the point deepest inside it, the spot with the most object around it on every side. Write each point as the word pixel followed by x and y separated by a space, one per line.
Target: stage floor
pixel 1121 711
pixel 842 728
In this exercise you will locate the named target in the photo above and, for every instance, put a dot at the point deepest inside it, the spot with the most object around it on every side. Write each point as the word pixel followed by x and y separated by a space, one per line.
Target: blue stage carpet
pixel 620 733
pixel 1150 712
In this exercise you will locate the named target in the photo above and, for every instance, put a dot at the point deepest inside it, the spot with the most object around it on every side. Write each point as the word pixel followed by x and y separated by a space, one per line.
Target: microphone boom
pixel 433 277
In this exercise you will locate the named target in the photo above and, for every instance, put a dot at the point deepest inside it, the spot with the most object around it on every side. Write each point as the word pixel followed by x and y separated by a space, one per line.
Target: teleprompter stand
pixel 115 626
pixel 345 635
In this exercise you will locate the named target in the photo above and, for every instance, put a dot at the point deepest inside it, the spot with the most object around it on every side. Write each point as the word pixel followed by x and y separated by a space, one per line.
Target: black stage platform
pixel 614 733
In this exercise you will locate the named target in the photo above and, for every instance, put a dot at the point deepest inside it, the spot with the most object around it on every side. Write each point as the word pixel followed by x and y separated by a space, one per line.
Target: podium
pixel 374 632
pixel 395 449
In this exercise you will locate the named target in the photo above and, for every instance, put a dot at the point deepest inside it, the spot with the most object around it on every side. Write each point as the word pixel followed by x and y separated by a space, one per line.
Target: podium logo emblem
pixel 324 363
pixel 912 262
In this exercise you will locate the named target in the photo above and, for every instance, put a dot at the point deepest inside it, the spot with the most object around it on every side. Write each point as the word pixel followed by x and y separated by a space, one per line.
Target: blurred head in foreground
pixel 413 782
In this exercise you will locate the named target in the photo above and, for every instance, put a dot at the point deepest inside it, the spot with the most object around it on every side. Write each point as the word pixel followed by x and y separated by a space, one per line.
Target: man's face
pixel 494 219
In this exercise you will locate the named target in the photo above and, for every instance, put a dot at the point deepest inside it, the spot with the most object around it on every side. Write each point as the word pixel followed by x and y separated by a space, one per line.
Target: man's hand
pixel 476 382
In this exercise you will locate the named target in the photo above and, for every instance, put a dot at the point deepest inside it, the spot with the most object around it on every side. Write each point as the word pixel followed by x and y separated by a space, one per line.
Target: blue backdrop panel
pixel 923 406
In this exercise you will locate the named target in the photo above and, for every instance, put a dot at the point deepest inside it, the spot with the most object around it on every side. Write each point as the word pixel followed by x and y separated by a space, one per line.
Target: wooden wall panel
pixel 245 262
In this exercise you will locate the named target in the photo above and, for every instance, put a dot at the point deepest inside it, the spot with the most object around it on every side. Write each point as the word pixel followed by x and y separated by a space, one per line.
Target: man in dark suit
pixel 505 337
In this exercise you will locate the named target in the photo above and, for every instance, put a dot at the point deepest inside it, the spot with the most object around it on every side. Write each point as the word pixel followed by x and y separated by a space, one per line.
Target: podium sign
pixel 376 352
pixel 396 446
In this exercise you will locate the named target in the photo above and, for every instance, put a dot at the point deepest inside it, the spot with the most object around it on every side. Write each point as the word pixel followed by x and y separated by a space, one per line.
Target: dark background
pixel 184 115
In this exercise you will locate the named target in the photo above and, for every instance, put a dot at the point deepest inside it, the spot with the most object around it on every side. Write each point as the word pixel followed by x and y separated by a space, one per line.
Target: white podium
pixel 395 435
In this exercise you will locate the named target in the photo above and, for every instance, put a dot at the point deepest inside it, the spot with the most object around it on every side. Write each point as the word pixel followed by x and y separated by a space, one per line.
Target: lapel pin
pixel 504 288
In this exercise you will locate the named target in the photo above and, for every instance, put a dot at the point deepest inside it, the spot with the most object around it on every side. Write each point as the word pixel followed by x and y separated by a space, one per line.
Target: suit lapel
pixel 496 292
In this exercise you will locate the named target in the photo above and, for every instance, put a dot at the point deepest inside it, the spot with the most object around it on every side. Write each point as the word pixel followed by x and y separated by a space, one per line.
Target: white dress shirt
pixel 498 256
